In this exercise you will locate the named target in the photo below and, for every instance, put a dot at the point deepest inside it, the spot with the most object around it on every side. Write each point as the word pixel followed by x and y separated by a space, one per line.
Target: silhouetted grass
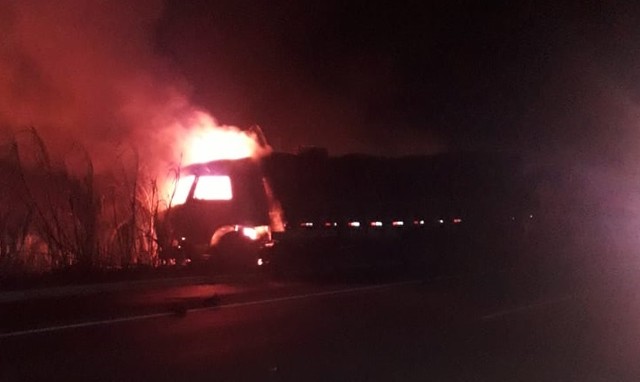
pixel 62 216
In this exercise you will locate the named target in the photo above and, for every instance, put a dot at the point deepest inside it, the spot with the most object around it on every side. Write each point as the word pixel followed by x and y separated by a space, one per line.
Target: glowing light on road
pixel 213 187
pixel 376 224
pixel 306 224
pixel 457 221
pixel 354 224
pixel 260 262
pixel 397 223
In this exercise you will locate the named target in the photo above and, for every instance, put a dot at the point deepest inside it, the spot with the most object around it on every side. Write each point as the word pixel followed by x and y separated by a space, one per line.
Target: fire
pixel 213 187
pixel 198 138
pixel 206 141
pixel 182 189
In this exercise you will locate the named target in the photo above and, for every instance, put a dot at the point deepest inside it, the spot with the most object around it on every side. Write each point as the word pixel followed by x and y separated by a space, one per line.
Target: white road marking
pixel 224 306
pixel 89 289
pixel 84 324
pixel 307 295
pixel 524 308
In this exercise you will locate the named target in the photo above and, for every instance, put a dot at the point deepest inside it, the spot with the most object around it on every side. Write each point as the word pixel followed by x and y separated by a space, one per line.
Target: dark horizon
pixel 390 79
pixel 380 78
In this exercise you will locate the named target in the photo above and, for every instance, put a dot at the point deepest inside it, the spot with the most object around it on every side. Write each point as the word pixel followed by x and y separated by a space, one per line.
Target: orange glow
pixel 255 233
pixel 251 233
pixel 213 187
pixel 183 188
pixel 276 215
pixel 206 141
pixel 196 137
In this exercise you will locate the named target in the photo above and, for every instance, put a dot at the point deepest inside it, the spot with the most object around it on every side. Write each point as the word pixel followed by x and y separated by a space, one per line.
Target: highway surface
pixel 497 327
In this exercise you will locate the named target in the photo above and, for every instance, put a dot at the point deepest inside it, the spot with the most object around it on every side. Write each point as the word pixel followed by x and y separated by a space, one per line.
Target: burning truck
pixel 350 210
pixel 222 212
pixel 225 204
pixel 220 208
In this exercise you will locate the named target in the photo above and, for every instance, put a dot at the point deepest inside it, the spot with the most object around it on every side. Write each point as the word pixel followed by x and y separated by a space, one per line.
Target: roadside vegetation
pixel 59 215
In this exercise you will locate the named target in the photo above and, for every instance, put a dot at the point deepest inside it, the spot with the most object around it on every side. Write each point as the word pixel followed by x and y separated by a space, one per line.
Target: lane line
pixel 307 295
pixel 196 310
pixel 90 289
pixel 84 324
pixel 524 308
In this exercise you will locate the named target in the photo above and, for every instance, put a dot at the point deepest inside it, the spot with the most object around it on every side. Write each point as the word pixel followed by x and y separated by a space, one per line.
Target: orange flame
pixel 198 138
pixel 206 141
pixel 201 139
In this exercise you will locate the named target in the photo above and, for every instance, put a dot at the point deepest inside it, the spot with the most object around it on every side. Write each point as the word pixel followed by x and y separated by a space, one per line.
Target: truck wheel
pixel 235 253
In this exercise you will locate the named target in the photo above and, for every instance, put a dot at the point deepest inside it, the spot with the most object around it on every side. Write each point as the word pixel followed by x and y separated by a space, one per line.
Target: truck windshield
pixel 182 189
pixel 213 187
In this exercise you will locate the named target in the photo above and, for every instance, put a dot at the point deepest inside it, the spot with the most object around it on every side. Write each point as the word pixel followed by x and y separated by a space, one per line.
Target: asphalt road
pixel 486 328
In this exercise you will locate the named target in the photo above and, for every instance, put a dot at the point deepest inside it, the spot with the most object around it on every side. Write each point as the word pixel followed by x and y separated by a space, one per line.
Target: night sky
pixel 553 79
pixel 412 77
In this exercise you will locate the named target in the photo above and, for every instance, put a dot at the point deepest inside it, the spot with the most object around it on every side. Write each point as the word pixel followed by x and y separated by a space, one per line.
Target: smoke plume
pixel 86 73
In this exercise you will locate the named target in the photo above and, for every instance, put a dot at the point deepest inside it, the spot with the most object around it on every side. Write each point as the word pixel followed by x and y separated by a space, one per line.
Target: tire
pixel 234 253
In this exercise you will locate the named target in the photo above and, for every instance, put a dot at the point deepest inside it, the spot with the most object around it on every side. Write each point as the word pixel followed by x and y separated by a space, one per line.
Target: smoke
pixel 85 73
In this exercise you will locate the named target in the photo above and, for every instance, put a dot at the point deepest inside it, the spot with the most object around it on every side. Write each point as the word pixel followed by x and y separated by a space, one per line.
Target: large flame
pixel 206 141
pixel 198 138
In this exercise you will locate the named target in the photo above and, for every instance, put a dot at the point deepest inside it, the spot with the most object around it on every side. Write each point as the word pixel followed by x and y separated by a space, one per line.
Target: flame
pixel 182 189
pixel 205 140
pixel 198 138
pixel 276 214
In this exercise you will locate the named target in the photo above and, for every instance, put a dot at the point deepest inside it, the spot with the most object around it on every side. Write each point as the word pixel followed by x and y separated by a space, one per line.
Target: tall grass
pixel 61 215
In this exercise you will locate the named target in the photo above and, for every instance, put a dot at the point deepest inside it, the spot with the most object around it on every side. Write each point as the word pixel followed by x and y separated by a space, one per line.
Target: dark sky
pixel 558 82
pixel 399 77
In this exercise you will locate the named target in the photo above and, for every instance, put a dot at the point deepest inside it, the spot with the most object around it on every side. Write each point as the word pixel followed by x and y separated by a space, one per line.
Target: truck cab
pixel 219 214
